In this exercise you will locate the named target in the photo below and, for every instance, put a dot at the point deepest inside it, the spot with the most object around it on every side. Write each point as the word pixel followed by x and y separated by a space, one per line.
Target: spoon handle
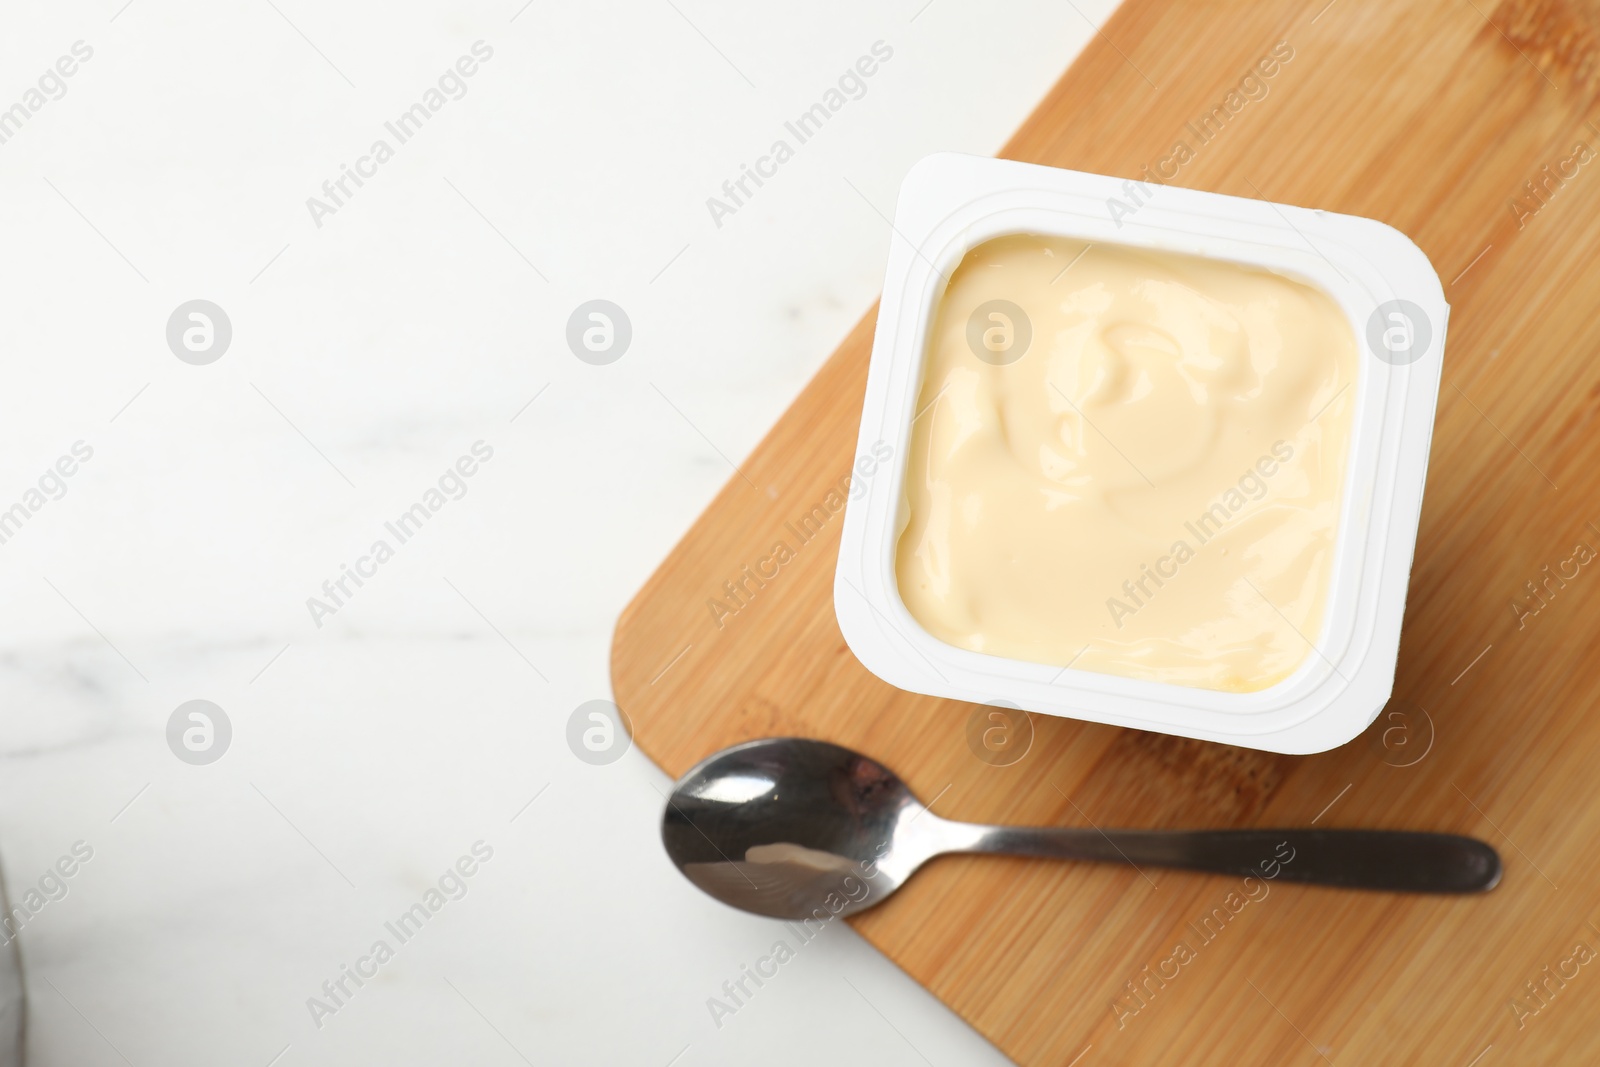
pixel 1395 860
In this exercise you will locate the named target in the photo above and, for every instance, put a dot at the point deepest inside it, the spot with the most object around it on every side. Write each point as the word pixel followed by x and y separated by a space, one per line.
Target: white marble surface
pixel 367 355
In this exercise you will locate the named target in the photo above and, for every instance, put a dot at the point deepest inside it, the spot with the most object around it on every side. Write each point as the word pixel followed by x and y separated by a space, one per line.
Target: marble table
pixel 276 276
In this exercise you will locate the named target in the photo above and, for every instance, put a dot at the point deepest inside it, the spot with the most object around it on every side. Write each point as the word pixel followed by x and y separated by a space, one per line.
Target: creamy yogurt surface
pixel 1129 462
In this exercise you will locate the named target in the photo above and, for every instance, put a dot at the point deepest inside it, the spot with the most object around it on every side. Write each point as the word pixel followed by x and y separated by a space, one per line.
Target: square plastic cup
pixel 1396 309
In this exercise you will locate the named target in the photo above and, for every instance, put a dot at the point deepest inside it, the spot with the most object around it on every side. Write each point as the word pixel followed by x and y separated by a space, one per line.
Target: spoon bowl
pixel 793 828
pixel 778 826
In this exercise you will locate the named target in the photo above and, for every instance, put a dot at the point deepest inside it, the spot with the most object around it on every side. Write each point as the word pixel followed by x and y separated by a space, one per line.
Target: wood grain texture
pixel 1431 116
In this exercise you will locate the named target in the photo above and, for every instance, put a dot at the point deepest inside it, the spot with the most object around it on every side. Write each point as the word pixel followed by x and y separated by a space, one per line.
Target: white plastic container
pixel 951 203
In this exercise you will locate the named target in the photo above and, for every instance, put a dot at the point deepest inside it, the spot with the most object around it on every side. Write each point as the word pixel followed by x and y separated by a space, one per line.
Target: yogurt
pixel 1128 461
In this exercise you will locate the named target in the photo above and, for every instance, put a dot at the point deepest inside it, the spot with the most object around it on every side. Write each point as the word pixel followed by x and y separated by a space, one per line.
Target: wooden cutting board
pixel 1431 116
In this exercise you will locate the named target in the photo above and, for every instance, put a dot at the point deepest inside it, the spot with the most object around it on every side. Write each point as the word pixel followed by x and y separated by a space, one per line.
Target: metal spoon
pixel 792 829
